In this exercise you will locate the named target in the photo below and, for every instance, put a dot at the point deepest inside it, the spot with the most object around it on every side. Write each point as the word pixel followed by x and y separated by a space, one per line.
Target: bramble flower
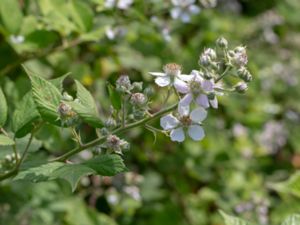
pixel 183 9
pixel 185 122
pixel 200 90
pixel 172 76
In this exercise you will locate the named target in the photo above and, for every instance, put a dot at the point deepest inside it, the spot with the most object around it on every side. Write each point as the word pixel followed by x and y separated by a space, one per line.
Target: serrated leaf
pixel 115 97
pixel 292 220
pixel 86 114
pixel 107 165
pixel 72 173
pixel 3 109
pixel 85 97
pixel 290 186
pixel 11 23
pixel 232 220
pixel 82 15
pixel 39 173
pixel 4 140
pixel 46 97
pixel 24 116
pixel 58 82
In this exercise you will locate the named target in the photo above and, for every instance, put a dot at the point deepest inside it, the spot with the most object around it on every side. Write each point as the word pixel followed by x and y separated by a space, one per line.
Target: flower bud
pixel 138 99
pixel 137 86
pixel 204 60
pixel 244 74
pixel 67 97
pixel 239 58
pixel 222 43
pixel 110 123
pixel 241 87
pixel 104 131
pixel 211 53
pixel 123 84
pixel 149 91
pixel 116 144
pixel 67 115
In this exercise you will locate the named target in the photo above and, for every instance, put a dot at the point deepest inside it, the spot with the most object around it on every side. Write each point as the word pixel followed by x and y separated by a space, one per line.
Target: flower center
pixel 185 121
pixel 195 87
pixel 172 69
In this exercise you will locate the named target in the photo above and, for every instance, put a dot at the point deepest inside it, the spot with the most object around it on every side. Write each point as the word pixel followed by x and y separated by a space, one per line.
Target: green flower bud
pixel 123 84
pixel 222 43
pixel 244 74
pixel 137 86
pixel 110 123
pixel 241 87
pixel 138 99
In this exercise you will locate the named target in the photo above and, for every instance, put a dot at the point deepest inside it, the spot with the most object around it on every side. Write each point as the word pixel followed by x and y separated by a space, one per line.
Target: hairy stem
pixel 116 131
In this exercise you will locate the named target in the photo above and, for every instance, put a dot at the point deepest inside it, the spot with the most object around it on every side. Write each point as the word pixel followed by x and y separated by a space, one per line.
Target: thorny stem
pixel 116 131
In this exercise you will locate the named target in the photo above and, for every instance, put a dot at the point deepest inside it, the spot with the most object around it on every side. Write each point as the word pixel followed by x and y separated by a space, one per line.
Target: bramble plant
pixel 47 102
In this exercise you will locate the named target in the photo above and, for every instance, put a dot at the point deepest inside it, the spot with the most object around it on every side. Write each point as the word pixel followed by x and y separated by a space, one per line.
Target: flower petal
pixel 196 132
pixel 163 81
pixel 185 77
pixel 202 100
pixel 183 110
pixel 169 122
pixel 198 115
pixel 214 102
pixel 177 135
pixel 181 86
pixel 186 100
pixel 157 74
pixel 207 85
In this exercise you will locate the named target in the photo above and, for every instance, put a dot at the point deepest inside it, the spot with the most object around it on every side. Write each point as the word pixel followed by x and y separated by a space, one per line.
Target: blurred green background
pixel 252 141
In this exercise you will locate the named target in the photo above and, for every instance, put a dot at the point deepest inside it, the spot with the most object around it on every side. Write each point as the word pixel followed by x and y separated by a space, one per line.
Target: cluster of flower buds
pixel 115 144
pixel 200 88
pixel 66 114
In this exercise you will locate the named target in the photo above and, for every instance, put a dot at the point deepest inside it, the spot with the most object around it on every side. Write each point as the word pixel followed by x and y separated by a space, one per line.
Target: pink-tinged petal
pixel 196 132
pixel 183 110
pixel 181 86
pixel 185 77
pixel 202 100
pixel 207 85
pixel 186 100
pixel 157 74
pixel 198 115
pixel 214 102
pixel 169 122
pixel 163 81
pixel 177 135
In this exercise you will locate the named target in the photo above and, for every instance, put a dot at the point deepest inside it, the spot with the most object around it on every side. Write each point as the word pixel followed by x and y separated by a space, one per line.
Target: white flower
pixel 183 9
pixel 199 91
pixel 172 76
pixel 186 122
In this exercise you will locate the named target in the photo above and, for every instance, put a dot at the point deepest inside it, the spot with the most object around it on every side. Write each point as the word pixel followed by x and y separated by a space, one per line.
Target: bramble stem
pixel 116 131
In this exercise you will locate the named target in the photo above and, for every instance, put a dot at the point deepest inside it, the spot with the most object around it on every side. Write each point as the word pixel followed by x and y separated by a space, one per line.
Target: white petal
pixel 194 9
pixel 198 115
pixel 185 17
pixel 196 132
pixel 207 85
pixel 214 102
pixel 185 77
pixel 163 81
pixel 168 122
pixel 181 86
pixel 202 100
pixel 157 74
pixel 186 100
pixel 177 135
pixel 175 12
pixel 183 110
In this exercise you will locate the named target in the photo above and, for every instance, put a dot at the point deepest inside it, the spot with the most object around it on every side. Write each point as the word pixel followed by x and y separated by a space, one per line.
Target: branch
pixel 116 131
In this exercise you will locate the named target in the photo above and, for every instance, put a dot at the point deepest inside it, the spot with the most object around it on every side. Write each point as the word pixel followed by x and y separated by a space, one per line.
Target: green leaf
pixel 58 82
pixel 107 165
pixel 3 109
pixel 86 114
pixel 24 116
pixel 82 15
pixel 290 186
pixel 47 98
pixel 232 220
pixel 4 140
pixel 72 173
pixel 292 220
pixel 85 97
pixel 115 97
pixel 11 15
pixel 39 173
